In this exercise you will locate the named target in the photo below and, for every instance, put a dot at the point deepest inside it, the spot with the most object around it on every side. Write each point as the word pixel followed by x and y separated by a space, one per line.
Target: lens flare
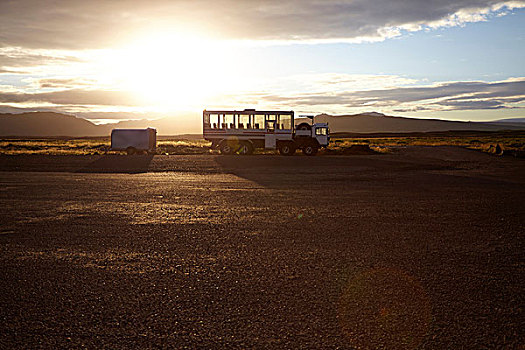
pixel 384 308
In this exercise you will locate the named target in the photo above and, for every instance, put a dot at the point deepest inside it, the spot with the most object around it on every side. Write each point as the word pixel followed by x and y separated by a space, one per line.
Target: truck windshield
pixel 321 131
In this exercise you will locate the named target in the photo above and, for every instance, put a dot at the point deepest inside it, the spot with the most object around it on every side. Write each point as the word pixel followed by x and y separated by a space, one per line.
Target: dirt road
pixel 422 248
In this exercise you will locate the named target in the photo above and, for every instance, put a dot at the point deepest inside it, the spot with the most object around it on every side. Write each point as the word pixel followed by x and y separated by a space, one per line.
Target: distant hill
pixel 518 122
pixel 509 120
pixel 47 124
pixel 374 122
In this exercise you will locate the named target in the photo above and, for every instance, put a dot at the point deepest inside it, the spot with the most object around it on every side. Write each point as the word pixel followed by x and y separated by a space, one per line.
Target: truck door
pixel 269 137
pixel 321 134
pixel 269 141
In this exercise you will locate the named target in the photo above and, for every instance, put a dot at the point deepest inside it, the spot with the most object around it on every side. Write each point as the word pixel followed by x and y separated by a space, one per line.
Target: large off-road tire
pixel 245 148
pixel 310 150
pixel 131 151
pixel 226 148
pixel 287 148
pixel 303 126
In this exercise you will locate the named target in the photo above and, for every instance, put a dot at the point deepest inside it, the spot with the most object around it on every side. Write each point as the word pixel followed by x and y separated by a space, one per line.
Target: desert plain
pixel 421 247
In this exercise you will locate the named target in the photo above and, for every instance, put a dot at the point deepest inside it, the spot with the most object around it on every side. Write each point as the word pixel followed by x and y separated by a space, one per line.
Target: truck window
pixel 259 121
pixel 221 123
pixel 229 121
pixel 243 121
pixel 271 120
pixel 212 120
pixel 285 121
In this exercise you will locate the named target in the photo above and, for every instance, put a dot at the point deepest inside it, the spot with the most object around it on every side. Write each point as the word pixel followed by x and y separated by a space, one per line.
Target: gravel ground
pixel 422 248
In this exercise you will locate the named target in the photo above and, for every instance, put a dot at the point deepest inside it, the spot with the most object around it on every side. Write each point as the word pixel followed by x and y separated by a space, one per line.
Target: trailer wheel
pixel 131 151
pixel 246 148
pixel 310 150
pixel 226 148
pixel 286 148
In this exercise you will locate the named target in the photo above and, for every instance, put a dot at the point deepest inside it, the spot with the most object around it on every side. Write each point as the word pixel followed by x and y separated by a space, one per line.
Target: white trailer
pixel 134 140
pixel 241 132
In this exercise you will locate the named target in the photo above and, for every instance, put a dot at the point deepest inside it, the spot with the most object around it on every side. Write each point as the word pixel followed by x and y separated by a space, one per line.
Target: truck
pixel 134 141
pixel 241 132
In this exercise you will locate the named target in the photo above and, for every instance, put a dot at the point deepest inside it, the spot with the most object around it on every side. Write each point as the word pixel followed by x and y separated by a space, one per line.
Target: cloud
pixel 19 57
pixel 6 70
pixel 438 97
pixel 79 24
pixel 62 83
pixel 61 54
pixel 72 97
pixel 443 90
pixel 21 61
pixel 333 93
pixel 470 104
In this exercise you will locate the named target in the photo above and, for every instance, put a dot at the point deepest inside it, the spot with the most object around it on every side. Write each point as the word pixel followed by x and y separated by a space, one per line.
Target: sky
pixel 113 60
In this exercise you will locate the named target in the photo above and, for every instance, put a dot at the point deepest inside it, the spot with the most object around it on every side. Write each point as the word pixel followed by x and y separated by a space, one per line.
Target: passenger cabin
pixel 248 125
pixel 249 119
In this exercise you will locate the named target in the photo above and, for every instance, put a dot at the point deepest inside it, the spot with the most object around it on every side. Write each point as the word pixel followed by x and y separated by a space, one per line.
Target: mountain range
pixel 48 124
pixel 374 122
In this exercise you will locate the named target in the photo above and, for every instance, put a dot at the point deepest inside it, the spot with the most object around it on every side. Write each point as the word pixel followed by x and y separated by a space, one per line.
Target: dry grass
pixel 175 146
pixel 83 146
pixel 54 146
pixel 512 143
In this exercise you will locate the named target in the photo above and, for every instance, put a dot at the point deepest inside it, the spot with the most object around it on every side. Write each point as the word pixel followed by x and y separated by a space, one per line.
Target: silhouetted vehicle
pixel 241 132
pixel 134 141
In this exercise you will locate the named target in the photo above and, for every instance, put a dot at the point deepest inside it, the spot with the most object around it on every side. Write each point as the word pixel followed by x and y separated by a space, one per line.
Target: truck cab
pixel 321 133
pixel 310 137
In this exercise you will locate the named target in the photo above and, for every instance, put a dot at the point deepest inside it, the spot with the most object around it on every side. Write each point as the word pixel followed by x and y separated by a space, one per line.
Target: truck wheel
pixel 304 126
pixel 131 151
pixel 226 148
pixel 287 149
pixel 310 150
pixel 246 148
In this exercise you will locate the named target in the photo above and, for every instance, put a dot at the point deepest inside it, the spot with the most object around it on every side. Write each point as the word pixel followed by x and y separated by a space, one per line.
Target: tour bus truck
pixel 134 141
pixel 241 132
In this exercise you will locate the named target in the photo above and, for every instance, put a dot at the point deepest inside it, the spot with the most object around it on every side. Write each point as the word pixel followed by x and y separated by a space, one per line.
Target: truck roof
pixel 246 111
pixel 141 129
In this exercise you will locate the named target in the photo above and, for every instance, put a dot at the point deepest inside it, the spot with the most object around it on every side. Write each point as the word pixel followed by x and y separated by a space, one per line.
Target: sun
pixel 176 70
